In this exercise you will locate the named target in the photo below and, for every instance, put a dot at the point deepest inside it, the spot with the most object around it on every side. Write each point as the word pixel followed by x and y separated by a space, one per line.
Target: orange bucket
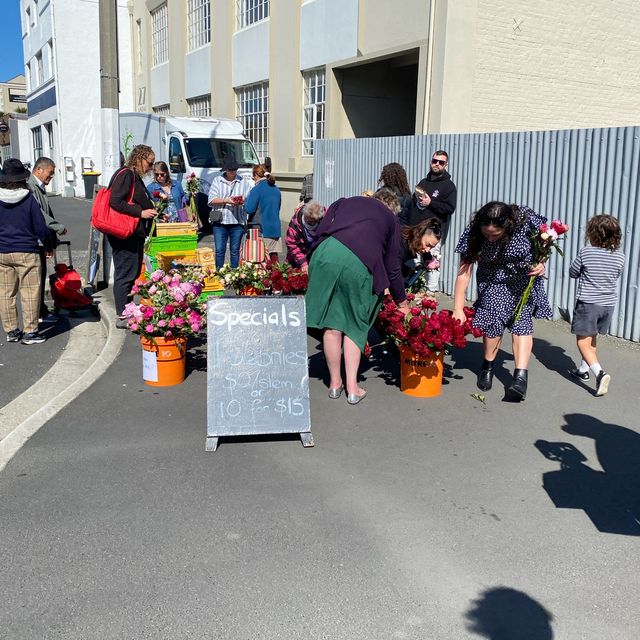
pixel 420 378
pixel 163 361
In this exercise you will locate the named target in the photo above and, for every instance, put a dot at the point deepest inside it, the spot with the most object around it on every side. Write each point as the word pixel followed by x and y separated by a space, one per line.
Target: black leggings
pixel 127 262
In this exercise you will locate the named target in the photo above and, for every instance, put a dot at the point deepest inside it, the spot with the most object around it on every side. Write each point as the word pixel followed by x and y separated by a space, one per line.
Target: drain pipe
pixel 427 91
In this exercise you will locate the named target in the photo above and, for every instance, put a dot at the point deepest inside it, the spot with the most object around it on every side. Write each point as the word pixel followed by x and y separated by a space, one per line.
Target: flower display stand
pixel 418 377
pixel 163 361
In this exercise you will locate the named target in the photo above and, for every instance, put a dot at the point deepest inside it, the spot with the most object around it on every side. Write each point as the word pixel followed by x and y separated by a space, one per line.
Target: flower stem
pixel 524 298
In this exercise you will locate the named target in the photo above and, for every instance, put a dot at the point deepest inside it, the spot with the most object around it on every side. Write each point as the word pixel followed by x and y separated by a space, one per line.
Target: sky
pixel 11 62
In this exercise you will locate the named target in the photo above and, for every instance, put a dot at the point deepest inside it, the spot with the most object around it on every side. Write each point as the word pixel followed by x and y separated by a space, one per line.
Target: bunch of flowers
pixel 285 278
pixel 193 188
pixel 193 184
pixel 247 275
pixel 543 241
pixel 426 331
pixel 160 201
pixel 170 306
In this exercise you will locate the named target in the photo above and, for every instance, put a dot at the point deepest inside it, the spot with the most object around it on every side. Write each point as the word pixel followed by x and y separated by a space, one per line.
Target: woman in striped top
pixel 598 268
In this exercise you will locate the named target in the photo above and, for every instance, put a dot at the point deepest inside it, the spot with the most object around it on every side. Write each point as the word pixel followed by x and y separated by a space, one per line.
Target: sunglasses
pixel 160 175
pixel 498 221
pixel 440 162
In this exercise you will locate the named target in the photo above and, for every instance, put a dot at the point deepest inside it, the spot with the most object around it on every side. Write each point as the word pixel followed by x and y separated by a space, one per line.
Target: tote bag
pixel 107 220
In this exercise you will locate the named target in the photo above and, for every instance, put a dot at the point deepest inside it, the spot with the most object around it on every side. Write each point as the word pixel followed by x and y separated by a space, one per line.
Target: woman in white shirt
pixel 226 199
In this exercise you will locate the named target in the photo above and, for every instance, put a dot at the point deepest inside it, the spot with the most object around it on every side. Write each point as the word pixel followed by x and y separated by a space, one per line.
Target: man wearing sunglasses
pixel 436 196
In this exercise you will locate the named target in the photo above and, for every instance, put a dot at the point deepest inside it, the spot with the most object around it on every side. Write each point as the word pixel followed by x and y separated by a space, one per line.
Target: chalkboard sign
pixel 257 370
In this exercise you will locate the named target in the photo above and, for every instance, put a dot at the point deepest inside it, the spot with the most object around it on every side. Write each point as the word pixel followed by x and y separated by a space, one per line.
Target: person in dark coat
pixel 22 225
pixel 435 195
pixel 129 195
pixel 357 257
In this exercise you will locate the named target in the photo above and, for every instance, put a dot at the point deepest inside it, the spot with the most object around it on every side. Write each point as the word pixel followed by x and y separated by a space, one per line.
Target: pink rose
pixel 149 328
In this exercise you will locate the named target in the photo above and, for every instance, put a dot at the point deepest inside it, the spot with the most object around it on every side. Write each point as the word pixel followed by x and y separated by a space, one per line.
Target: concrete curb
pixel 74 372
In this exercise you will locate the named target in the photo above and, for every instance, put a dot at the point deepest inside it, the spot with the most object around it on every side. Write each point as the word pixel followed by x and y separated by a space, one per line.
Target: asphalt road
pixel 441 519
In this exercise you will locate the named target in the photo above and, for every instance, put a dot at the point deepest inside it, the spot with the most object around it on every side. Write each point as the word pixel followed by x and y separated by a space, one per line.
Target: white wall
pixel 197 72
pixel 328 32
pixel 250 54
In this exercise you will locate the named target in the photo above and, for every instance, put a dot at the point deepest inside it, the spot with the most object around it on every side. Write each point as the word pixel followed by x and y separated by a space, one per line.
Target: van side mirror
pixel 267 164
pixel 176 164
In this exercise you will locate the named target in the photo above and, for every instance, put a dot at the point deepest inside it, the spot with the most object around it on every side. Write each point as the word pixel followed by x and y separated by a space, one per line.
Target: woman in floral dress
pixel 498 240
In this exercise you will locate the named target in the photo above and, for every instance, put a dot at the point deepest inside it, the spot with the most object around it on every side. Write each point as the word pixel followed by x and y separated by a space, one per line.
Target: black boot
pixel 485 378
pixel 518 389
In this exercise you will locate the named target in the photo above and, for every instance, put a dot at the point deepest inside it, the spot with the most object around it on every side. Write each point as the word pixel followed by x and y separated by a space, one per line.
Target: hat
pixel 13 171
pixel 229 163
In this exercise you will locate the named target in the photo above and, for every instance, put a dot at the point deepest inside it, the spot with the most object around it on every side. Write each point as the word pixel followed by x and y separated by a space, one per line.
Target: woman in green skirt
pixel 358 257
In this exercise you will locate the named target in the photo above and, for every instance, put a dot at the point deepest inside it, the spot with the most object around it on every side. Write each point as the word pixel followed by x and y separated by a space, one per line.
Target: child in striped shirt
pixel 597 268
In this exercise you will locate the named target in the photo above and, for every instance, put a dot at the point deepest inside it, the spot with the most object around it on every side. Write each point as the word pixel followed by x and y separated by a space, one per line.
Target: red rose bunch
pixel 425 330
pixel 286 279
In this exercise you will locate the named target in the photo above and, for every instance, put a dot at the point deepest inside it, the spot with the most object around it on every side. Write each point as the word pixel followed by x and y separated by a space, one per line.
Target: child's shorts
pixel 590 319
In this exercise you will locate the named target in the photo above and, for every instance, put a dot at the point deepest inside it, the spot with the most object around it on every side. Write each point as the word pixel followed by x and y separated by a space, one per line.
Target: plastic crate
pixel 164 244
pixel 164 229
pixel 207 294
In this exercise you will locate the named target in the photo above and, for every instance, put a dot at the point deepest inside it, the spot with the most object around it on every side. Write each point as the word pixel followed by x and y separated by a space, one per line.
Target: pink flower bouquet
pixel 170 306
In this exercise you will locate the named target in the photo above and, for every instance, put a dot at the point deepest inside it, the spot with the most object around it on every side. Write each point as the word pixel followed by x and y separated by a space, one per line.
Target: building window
pixel 27 21
pixel 160 34
pixel 139 45
pixel 199 18
pixel 200 106
pixel 39 69
pixel 36 136
pixel 251 11
pixel 161 110
pixel 252 109
pixel 35 13
pixel 313 109
pixel 50 57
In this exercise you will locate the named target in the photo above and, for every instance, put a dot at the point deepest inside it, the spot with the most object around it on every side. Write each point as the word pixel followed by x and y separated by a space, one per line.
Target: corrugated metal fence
pixel 570 174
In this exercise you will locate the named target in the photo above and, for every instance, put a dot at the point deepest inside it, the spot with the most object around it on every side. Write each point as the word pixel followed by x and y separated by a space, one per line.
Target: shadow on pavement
pixel 555 358
pixel 610 498
pixel 502 613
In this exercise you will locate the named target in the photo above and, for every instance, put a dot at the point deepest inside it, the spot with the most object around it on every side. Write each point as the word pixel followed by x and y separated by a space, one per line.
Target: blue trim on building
pixel 41 102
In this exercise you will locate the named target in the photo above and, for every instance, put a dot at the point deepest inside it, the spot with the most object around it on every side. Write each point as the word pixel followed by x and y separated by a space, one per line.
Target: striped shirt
pixel 598 271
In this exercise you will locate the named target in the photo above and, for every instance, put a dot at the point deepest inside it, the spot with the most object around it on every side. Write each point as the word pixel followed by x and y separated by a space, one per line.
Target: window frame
pixel 249 12
pixel 252 110
pixel 199 106
pixel 36 136
pixel 314 82
pixel 160 35
pixel 198 24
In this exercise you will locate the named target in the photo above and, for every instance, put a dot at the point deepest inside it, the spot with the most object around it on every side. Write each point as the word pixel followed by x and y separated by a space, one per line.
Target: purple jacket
pixel 372 233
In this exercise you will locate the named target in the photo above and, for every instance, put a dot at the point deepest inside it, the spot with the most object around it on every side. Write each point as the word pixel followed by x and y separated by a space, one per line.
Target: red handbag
pixel 107 220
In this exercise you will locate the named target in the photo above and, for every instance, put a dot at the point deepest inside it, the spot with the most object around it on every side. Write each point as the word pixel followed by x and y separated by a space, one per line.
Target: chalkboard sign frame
pixel 257 368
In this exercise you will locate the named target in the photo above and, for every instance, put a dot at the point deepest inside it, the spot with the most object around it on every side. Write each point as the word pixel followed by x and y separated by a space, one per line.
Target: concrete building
pixel 62 69
pixel 294 71
pixel 12 95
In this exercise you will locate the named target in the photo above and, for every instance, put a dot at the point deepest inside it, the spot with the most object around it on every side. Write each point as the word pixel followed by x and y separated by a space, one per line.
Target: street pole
pixel 109 84
pixel 109 106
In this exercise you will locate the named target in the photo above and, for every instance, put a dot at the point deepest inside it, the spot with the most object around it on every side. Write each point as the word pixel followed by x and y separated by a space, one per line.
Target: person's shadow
pixel 502 613
pixel 610 498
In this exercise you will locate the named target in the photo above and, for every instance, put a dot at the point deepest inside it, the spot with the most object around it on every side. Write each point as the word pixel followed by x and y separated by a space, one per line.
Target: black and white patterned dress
pixel 502 277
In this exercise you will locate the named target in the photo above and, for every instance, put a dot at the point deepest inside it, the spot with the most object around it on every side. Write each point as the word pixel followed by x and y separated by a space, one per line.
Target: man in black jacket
pixel 436 196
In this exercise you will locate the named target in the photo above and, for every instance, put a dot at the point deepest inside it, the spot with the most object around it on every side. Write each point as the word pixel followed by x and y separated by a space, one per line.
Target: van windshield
pixel 210 152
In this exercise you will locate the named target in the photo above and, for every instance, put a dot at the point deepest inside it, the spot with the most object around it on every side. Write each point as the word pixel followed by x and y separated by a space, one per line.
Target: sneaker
pixel 580 375
pixel 14 336
pixel 33 338
pixel 50 318
pixel 602 383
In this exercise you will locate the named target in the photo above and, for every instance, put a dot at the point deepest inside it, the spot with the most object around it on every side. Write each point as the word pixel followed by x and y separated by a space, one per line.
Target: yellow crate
pixel 165 258
pixel 213 283
pixel 176 229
